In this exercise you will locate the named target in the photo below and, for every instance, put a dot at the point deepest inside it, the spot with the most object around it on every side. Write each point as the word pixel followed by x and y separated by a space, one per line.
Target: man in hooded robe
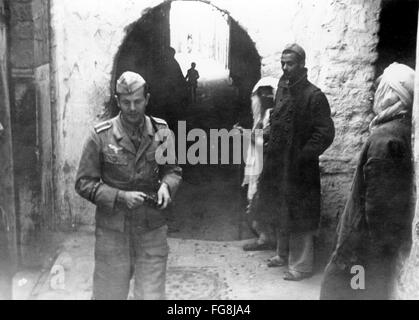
pixel 376 222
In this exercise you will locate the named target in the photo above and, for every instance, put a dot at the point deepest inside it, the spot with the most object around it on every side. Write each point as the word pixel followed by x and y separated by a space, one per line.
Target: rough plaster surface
pixel 340 38
pixel 30 88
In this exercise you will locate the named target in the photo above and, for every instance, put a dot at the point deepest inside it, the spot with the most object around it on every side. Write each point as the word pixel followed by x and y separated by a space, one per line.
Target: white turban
pixel 394 95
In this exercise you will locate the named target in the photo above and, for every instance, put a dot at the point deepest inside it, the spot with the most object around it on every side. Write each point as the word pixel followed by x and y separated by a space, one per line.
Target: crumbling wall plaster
pixel 340 37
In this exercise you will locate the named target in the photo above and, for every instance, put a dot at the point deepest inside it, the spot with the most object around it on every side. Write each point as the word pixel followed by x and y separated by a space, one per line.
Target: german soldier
pixel 121 171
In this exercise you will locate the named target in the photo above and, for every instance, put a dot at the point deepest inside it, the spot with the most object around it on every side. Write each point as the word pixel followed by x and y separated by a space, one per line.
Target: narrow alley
pixel 63 77
pixel 197 270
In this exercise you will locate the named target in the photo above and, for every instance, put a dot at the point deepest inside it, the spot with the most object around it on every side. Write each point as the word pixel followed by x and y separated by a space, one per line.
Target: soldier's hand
pixel 133 200
pixel 163 197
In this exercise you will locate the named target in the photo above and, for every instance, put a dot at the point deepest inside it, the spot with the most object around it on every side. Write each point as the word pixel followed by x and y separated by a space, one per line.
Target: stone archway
pixel 143 50
pixel 146 40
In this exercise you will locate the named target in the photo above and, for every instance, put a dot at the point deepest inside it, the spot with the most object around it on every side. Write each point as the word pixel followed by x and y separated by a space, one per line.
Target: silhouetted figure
pixel 172 89
pixel 192 80
pixel 190 44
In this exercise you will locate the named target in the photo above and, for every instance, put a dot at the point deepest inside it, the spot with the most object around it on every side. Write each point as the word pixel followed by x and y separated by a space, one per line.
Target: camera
pixel 151 201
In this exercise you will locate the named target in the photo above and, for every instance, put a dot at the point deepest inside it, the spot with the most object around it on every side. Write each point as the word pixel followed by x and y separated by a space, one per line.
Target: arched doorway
pixel 398 33
pixel 209 205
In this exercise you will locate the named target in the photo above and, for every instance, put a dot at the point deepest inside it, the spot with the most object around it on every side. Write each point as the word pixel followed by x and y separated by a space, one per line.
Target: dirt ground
pixel 197 270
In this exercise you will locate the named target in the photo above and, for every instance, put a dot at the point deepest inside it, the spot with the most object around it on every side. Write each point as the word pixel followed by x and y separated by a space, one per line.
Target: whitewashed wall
pixel 340 38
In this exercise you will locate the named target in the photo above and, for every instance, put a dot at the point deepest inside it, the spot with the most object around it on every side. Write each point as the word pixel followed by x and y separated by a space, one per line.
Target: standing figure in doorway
pixel 262 103
pixel 172 89
pixel 192 79
pixel 301 129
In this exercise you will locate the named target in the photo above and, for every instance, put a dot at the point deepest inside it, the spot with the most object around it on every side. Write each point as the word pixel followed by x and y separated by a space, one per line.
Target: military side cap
pixel 129 82
pixel 293 47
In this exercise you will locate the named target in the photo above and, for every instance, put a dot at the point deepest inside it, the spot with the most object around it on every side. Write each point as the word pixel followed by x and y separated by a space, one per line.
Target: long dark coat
pixel 376 221
pixel 301 130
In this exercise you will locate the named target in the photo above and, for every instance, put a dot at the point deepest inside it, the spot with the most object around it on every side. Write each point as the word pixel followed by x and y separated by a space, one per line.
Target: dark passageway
pixel 208 205
pixel 398 33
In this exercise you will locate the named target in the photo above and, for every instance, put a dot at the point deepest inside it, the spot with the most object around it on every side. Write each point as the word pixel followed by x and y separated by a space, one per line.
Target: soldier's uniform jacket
pixel 110 163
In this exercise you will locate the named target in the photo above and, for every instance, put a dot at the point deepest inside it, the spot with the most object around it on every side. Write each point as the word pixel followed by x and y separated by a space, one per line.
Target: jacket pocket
pixel 115 159
pixel 152 167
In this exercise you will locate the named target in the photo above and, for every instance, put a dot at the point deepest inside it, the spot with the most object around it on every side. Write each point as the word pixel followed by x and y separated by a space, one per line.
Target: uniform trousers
pixel 137 253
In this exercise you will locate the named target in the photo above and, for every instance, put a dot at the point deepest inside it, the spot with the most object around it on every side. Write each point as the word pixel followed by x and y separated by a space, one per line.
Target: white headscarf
pixel 256 107
pixel 254 160
pixel 394 95
pixel 266 82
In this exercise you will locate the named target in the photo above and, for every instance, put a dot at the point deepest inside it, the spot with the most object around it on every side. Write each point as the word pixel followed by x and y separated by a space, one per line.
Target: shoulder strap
pixel 155 123
pixel 103 126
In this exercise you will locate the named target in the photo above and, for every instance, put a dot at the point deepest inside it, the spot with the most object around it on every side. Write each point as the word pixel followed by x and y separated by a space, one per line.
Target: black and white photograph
pixel 222 151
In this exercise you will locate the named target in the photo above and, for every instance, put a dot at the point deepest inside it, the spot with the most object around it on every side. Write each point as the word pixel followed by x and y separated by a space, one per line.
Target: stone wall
pixel 7 183
pixel 340 38
pixel 23 108
pixel 31 119
pixel 41 63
